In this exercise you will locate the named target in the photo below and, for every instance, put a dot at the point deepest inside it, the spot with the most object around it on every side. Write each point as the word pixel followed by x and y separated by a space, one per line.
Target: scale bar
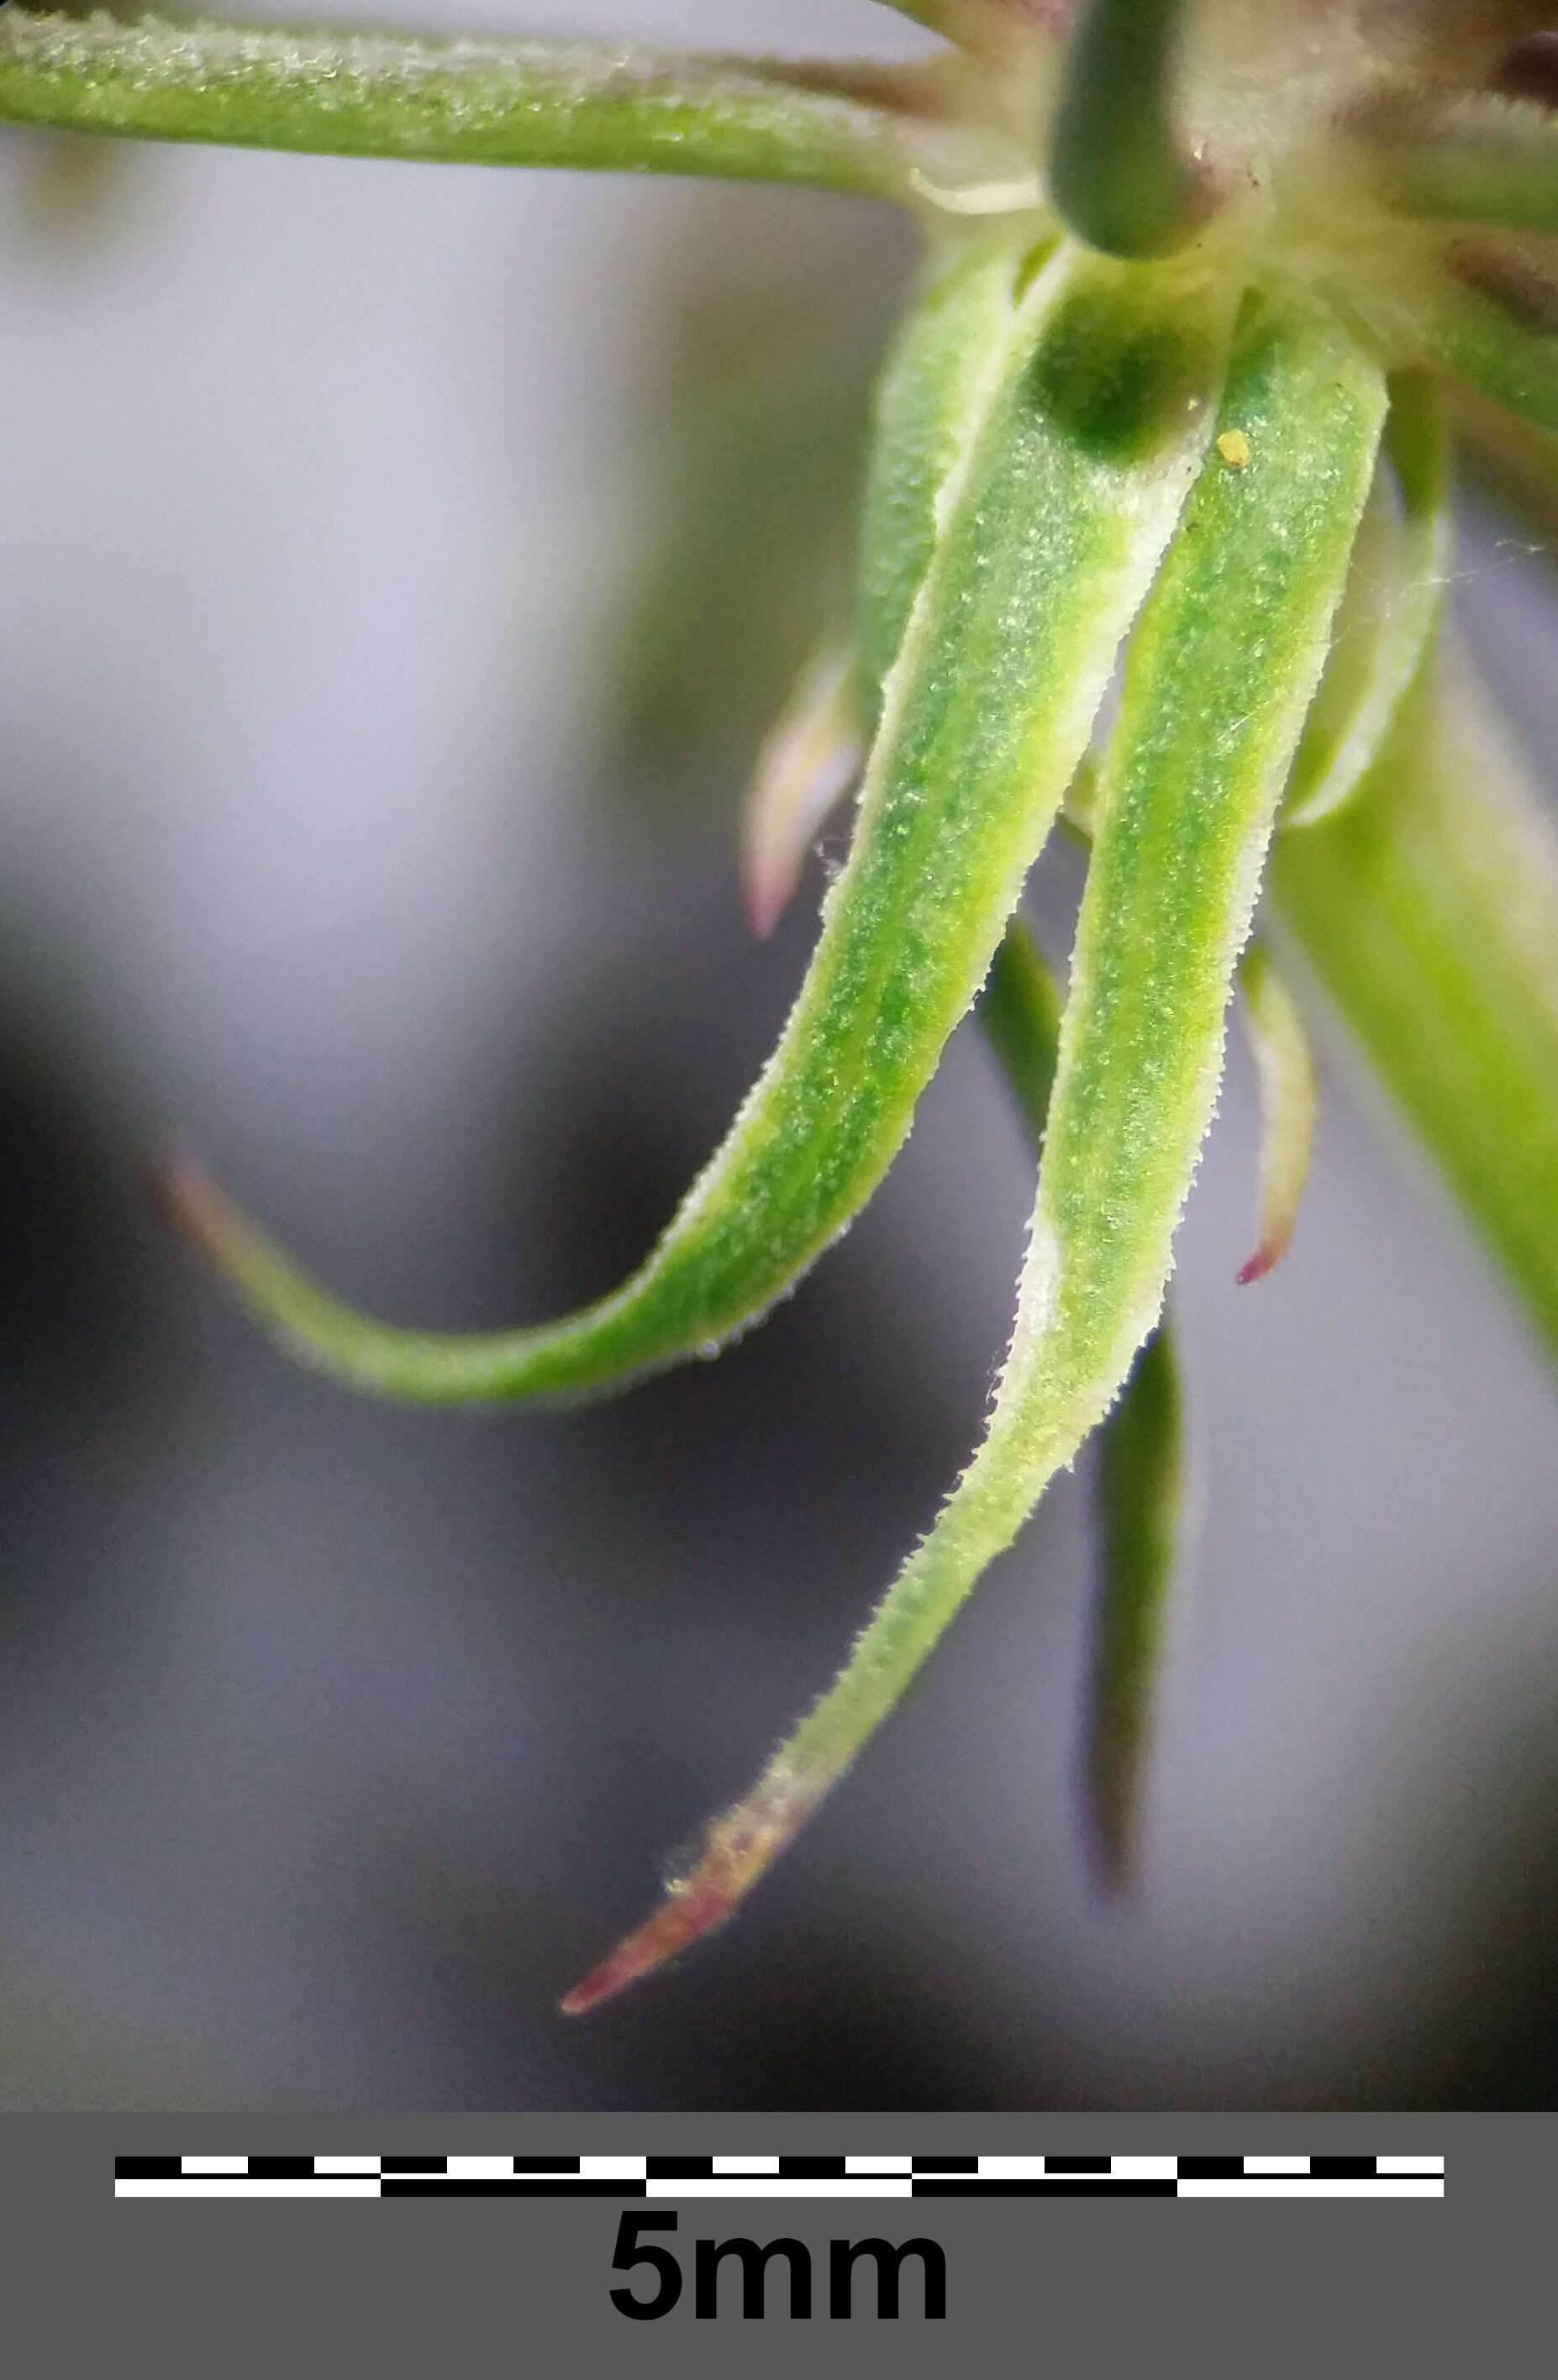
pixel 861 2176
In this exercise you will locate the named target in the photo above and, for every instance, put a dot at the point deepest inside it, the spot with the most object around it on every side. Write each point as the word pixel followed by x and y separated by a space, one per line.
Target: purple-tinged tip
pixel 766 893
pixel 1255 1267
pixel 695 1909
pixel 736 1850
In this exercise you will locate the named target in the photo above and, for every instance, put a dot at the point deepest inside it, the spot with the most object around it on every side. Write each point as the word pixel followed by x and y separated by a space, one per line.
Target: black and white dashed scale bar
pixel 868 2177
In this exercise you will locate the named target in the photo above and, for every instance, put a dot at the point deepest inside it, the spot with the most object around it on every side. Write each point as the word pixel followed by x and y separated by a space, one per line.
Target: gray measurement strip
pixel 865 2175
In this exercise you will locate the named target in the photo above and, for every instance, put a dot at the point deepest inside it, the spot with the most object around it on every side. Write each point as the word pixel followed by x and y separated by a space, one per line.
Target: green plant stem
pixel 619 106
pixel 1116 173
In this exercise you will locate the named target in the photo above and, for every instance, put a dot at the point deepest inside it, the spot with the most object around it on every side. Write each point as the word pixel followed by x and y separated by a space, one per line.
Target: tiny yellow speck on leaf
pixel 1233 447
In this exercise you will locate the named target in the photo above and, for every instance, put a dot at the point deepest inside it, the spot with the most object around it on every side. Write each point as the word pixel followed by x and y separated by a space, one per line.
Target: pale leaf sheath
pixel 620 107
pixel 808 761
pixel 1218 674
pixel 1390 610
pixel 1429 911
pixel 1289 1101
pixel 1078 442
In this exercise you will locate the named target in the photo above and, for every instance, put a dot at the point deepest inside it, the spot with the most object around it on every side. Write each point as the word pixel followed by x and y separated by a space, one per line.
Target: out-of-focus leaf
pixel 1020 1010
pixel 1508 459
pixel 1141 1499
pixel 806 763
pixel 1494 321
pixel 764 333
pixel 1429 910
pixel 1484 158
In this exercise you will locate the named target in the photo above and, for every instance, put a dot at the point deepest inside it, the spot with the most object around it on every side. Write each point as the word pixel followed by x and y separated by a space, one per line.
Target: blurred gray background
pixel 368 818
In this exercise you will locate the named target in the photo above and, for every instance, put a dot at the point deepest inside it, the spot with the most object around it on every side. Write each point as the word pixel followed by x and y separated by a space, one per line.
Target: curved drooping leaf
pixel 1217 678
pixel 1138 1488
pixel 1078 442
pixel 1389 609
pixel 1429 910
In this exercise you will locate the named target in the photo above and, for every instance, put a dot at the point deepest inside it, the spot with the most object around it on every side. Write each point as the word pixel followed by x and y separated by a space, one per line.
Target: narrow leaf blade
pixel 615 106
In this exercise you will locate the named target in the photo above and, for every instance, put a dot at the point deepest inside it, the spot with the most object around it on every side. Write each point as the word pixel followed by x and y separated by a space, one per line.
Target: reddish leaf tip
pixel 736 1850
pixel 692 1909
pixel 188 1198
pixel 1268 1254
pixel 766 895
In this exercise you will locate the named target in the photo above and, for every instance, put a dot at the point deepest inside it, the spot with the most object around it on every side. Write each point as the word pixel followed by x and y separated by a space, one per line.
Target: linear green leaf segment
pixel 1139 1490
pixel 620 107
pixel 1218 674
pixel 1427 909
pixel 1078 442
